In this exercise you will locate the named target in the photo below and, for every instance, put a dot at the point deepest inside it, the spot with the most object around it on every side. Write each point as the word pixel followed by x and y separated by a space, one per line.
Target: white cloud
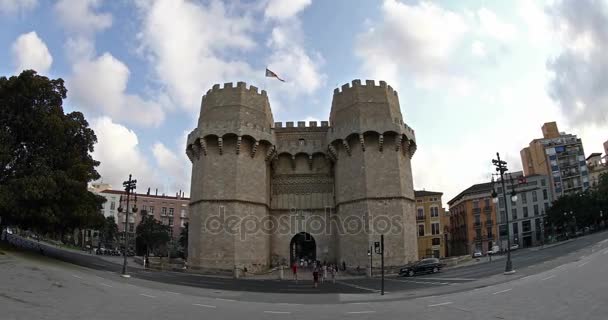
pixel 99 85
pixel 14 6
pixel 579 72
pixel 414 39
pixel 281 9
pixel 30 52
pixel 478 49
pixel 79 16
pixel 119 152
pixel 186 43
pixel 175 168
pixel 538 28
pixel 491 26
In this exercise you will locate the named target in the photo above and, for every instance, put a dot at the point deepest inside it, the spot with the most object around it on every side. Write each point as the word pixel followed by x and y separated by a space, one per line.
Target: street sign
pixel 377 248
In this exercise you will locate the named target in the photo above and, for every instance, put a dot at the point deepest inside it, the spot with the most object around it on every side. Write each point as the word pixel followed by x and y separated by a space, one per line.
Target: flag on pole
pixel 271 74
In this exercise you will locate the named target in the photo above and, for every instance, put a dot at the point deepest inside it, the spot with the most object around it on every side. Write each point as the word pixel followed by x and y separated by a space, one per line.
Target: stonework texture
pixel 258 185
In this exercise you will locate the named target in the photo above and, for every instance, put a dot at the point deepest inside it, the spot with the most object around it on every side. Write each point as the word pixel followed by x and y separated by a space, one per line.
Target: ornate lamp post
pixel 129 187
pixel 501 167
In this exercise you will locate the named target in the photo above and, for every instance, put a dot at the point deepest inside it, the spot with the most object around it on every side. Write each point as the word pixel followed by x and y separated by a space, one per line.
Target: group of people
pixel 319 270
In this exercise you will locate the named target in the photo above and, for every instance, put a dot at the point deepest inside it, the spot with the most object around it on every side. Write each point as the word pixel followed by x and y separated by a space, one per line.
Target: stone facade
pixel 266 193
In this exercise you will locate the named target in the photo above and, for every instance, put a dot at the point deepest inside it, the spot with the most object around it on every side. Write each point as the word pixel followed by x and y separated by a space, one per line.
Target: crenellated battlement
pixel 230 86
pixel 301 124
pixel 369 85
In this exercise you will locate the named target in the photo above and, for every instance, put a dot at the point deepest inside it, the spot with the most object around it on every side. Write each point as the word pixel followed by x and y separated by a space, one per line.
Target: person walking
pixel 315 276
pixel 294 269
pixel 324 277
pixel 334 271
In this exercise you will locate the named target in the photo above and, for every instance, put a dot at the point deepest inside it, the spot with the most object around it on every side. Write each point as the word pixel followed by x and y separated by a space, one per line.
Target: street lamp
pixel 129 187
pixel 501 167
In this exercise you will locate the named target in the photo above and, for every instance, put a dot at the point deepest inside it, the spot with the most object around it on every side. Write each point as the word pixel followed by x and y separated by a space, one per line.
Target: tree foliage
pixel 581 209
pixel 151 233
pixel 183 239
pixel 109 231
pixel 45 158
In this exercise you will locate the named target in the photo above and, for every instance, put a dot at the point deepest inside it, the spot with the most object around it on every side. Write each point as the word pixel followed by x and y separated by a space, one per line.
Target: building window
pixel 183 213
pixel 475 204
pixel 536 212
pixel 436 241
pixel 525 212
pixel 534 196
pixel 489 232
pixel 543 183
pixel 421 230
pixel 478 234
pixel 434 228
pixel 501 202
pixel 170 212
pixel 131 227
pixel 526 226
pixel 434 212
pixel 163 211
pixel 112 205
pixel 545 194
pixel 170 222
pixel 151 209
pixel 514 213
pixel 515 230
pixel 420 214
pixel 524 198
pixel 546 206
pixel 503 216
pixel 487 203
pixel 502 230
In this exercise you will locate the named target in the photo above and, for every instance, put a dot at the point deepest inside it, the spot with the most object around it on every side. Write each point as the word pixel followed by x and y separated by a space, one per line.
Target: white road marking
pixel 582 264
pixel 447 279
pixel 147 295
pixel 547 278
pixel 171 292
pixel 278 312
pixel 75 276
pixel 360 312
pixel 357 287
pixel 222 299
pixel 203 305
pixel 105 284
pixel 440 304
pixel 289 304
pixel 502 291
pixel 359 303
pixel 419 282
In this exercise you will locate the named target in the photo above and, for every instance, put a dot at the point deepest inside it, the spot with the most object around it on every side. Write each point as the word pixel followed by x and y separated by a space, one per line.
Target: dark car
pixel 430 265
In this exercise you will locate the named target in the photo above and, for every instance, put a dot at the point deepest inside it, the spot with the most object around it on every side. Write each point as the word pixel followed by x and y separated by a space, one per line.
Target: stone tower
pixel 372 148
pixel 329 190
pixel 230 176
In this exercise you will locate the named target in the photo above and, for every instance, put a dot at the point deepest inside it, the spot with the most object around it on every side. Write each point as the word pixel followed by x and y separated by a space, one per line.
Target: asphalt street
pixel 526 261
pixel 567 287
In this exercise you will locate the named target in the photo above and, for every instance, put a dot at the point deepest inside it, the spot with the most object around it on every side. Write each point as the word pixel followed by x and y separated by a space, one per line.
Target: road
pixel 567 287
pixel 526 261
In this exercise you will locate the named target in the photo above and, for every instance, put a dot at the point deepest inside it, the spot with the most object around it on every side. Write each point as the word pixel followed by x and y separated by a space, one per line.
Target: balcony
pixel 489 223
pixel 476 225
pixel 420 218
pixel 476 210
pixel 487 209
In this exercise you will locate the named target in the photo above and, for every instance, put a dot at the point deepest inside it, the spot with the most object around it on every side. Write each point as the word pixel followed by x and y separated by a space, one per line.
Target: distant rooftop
pixel 424 193
pixel 474 189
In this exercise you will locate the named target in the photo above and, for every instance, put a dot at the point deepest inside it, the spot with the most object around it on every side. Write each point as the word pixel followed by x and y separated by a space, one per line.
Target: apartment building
pixel 430 224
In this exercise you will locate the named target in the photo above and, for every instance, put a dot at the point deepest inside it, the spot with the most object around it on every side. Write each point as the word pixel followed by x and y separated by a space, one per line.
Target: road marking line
pixel 502 291
pixel 440 304
pixel 448 279
pixel 171 292
pixel 360 312
pixel 278 312
pixel 582 264
pixel 222 299
pixel 75 276
pixel 147 295
pixel 419 282
pixel 105 284
pixel 547 278
pixel 357 287
pixel 359 303
pixel 203 305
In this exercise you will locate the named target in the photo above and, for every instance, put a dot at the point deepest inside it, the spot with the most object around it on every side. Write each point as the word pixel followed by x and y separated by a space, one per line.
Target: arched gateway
pixel 302 246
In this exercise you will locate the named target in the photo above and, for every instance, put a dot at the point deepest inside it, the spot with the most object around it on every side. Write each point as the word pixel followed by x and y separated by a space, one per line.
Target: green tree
pixel 183 239
pixel 45 158
pixel 109 231
pixel 151 234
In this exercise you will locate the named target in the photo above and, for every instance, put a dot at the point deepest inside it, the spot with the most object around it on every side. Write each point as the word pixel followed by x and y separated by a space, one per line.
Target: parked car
pixel 495 250
pixel 430 265
pixel 514 247
pixel 477 254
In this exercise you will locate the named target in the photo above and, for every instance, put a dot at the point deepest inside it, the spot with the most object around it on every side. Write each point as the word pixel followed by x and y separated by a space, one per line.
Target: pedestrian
pixel 315 276
pixel 343 265
pixel 334 270
pixel 294 269
pixel 324 273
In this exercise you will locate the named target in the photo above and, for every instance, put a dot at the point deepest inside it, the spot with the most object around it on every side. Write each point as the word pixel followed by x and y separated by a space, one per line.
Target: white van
pixel 495 250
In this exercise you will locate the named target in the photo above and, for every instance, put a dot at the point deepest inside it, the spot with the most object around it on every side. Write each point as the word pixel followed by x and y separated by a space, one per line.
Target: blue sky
pixel 474 77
